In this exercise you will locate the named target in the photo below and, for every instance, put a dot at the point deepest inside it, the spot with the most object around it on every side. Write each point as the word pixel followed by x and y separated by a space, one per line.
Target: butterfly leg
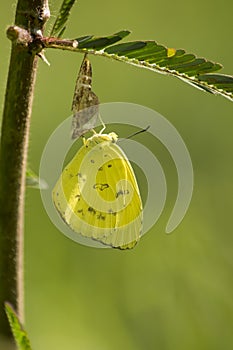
pixel 104 126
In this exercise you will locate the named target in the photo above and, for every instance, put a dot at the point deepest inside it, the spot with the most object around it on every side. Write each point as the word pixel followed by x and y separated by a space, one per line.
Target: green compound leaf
pixel 18 332
pixel 158 58
pixel 32 180
pixel 63 15
pixel 92 42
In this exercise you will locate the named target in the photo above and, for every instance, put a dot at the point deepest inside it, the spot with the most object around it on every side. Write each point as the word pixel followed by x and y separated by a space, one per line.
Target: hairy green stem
pixel 30 16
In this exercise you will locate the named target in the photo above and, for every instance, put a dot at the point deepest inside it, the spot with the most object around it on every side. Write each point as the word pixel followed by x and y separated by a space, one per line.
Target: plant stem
pixel 30 15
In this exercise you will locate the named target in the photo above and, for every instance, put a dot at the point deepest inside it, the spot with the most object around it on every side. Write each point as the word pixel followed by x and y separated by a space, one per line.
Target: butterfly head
pixel 99 138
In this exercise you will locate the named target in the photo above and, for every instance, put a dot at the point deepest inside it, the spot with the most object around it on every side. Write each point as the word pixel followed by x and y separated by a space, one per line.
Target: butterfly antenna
pixel 104 126
pixel 137 132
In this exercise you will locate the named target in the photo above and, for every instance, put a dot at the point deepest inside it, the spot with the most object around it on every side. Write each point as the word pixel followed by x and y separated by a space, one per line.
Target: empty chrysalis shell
pixel 85 104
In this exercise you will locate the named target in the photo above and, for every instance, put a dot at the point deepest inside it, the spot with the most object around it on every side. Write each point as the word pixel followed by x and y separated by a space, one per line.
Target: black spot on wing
pixel 91 210
pixel 110 211
pixel 78 197
pixel 121 193
pixel 100 187
pixel 100 217
pixel 81 177
pixel 80 211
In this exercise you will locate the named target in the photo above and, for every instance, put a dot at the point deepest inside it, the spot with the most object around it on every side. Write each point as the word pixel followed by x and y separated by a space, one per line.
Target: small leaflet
pixel 171 52
pixel 85 104
pixel 20 335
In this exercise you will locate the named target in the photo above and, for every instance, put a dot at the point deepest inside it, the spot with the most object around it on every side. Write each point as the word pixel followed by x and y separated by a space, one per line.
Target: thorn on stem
pixel 44 59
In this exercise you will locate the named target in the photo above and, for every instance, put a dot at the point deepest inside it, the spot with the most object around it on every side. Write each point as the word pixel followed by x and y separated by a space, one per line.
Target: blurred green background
pixel 172 291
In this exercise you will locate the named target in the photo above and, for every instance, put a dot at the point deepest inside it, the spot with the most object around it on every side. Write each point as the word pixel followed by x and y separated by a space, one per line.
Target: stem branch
pixel 30 16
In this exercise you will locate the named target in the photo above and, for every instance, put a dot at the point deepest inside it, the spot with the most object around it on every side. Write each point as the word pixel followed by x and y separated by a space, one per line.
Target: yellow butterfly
pixel 97 194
